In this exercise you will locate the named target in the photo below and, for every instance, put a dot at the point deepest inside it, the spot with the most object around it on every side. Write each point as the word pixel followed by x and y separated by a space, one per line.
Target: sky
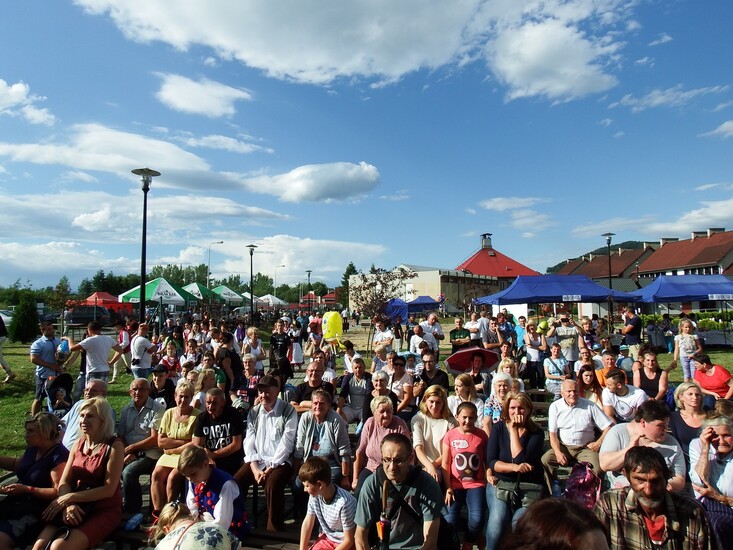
pixel 375 132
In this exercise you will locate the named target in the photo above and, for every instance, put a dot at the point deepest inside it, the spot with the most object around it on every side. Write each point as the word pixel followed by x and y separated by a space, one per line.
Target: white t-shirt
pixel 473 325
pixel 624 405
pixel 98 348
pixel 139 349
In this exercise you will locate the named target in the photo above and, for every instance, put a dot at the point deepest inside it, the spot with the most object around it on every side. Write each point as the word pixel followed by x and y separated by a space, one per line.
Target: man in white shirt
pixel 572 422
pixel 620 400
pixel 272 426
pixel 473 326
pixel 432 326
pixel 382 336
pixel 98 347
pixel 420 336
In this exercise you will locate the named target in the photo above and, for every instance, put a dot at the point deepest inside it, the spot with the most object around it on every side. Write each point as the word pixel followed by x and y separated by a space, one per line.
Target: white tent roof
pixel 272 300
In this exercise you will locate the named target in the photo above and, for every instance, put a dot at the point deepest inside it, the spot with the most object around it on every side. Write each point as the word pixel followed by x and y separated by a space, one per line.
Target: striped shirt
pixel 336 516
pixel 686 526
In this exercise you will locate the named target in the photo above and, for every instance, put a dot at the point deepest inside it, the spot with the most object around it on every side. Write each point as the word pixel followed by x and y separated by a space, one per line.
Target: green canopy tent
pixel 160 290
pixel 202 293
pixel 228 295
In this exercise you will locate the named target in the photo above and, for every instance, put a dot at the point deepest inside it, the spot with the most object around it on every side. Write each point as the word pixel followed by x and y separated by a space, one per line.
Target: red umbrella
pixel 461 360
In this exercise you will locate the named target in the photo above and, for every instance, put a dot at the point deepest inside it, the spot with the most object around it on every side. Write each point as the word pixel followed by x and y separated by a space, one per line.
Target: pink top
pixel 467 458
pixel 371 437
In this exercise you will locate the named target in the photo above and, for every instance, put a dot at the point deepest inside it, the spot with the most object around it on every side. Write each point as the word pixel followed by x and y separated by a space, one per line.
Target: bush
pixel 24 327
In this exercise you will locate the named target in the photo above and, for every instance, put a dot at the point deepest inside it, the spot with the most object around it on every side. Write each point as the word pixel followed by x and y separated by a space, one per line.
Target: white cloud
pixel 709 214
pixel 531 220
pixel 77 175
pixel 725 130
pixel 645 61
pixel 726 186
pixel 226 143
pixel 606 122
pixel 471 211
pixel 399 195
pixel 722 106
pixel 663 39
pixel 671 97
pixel 16 100
pixel 318 182
pixel 618 135
pixel 551 59
pixel 501 204
pixel 203 97
pixel 555 49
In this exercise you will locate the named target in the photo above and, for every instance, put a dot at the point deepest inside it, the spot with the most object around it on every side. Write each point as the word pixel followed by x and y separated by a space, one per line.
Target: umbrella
pixel 460 361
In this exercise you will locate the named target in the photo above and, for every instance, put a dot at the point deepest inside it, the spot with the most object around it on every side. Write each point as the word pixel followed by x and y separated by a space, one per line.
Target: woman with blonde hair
pixel 509 366
pixel 176 528
pixel 89 505
pixel 466 391
pixel 429 426
pixel 685 424
pixel 256 347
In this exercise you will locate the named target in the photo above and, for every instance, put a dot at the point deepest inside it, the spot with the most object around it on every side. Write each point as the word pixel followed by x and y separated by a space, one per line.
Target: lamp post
pixel 251 284
pixel 146 178
pixel 274 290
pixel 310 302
pixel 610 281
pixel 208 267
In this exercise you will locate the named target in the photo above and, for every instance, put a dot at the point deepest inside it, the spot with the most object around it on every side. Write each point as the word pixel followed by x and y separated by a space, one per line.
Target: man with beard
pixel 646 514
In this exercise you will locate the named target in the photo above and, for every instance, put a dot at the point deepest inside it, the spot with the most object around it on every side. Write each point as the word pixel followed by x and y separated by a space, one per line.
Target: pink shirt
pixel 371 437
pixel 467 458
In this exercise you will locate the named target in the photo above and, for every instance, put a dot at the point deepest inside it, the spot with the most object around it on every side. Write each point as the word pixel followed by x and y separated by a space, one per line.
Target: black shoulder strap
pixel 398 496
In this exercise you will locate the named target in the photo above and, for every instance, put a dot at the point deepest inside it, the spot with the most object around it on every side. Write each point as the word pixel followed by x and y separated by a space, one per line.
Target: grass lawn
pixel 16 397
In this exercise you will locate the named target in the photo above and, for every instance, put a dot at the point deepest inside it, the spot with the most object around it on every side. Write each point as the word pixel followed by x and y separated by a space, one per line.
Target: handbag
pixel 518 494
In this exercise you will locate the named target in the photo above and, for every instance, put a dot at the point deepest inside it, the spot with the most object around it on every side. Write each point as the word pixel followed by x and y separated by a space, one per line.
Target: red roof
pixel 492 263
pixel 597 268
pixel 691 253
pixel 570 267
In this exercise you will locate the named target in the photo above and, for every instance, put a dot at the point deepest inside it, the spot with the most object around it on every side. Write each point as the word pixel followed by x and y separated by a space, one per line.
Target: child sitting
pixel 213 495
pixel 60 405
pixel 334 508
pixel 176 529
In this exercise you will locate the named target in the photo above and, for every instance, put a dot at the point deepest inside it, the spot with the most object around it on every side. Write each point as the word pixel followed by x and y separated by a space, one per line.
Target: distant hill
pixel 627 245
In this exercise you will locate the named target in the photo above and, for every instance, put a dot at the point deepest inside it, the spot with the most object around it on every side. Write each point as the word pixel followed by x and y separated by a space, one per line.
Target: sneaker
pixel 9 378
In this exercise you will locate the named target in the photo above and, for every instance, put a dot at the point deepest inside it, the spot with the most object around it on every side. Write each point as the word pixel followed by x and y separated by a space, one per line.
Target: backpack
pixel 583 485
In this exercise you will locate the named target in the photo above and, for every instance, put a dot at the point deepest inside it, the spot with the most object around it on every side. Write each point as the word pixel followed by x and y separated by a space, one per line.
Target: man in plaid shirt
pixel 646 514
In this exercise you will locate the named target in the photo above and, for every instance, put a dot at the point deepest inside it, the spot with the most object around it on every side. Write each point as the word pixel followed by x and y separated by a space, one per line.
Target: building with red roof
pixel 704 253
pixel 490 262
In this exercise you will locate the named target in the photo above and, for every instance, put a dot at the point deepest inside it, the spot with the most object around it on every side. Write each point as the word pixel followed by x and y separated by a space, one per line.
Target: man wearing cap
pixel 272 426
pixel 219 430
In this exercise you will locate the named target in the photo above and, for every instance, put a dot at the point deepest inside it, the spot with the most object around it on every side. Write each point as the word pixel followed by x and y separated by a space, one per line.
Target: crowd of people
pixel 208 421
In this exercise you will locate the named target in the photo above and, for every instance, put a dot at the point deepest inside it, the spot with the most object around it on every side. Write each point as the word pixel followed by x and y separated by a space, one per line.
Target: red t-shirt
pixel 467 458
pixel 716 382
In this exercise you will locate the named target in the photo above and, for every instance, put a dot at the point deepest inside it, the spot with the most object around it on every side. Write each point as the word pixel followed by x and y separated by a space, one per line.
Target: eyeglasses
pixel 397 461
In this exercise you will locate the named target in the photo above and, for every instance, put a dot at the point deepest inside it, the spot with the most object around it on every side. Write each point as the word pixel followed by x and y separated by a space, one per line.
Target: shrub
pixel 24 327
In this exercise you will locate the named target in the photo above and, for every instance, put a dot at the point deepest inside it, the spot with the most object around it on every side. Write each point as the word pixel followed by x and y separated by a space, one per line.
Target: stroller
pixel 58 393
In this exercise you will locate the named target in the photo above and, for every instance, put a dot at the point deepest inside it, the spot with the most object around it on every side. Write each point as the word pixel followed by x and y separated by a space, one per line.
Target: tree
pixel 86 287
pixel 58 297
pixel 373 290
pixel 24 326
pixel 319 288
pixel 343 295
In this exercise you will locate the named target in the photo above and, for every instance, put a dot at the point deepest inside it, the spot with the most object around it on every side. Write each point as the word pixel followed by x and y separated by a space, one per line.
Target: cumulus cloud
pixel 336 181
pixel 675 96
pixel 17 100
pixel 725 130
pixel 709 214
pixel 202 97
pixel 500 204
pixel 663 39
pixel 555 49
pixel 552 59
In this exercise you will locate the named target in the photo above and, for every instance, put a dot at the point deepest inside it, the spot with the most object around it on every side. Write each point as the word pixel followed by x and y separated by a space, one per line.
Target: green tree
pixel 288 293
pixel 319 288
pixel 233 281
pixel 85 288
pixel 60 294
pixel 343 294
pixel 24 326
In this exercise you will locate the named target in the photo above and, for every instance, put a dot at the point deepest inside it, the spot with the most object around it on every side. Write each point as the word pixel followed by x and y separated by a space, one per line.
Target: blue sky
pixel 368 131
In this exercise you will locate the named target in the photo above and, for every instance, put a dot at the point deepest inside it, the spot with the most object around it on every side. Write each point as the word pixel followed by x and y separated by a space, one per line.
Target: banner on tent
pixel 720 296
pixel 571 298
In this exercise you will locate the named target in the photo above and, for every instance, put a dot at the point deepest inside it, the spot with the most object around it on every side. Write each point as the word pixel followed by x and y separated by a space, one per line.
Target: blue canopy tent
pixel 396 307
pixel 686 288
pixel 422 303
pixel 540 289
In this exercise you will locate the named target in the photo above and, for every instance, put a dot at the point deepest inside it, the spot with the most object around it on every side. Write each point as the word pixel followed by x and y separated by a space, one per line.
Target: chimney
pixel 713 230
pixel 665 240
pixel 697 234
pixel 486 241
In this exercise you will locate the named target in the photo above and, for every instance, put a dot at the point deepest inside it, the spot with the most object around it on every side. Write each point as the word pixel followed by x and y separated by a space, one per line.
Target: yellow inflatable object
pixel 332 325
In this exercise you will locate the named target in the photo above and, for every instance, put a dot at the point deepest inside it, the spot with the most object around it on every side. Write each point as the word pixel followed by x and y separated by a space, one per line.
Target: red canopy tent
pixel 105 299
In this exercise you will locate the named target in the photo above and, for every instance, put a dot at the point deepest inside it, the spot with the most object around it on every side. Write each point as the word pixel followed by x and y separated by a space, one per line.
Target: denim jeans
pixel 132 493
pixel 499 518
pixel 475 500
pixel 137 372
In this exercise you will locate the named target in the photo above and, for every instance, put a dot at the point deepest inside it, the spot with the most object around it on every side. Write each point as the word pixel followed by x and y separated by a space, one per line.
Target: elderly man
pixel 620 400
pixel 43 356
pixel 93 388
pixel 460 337
pixel 301 398
pixel 421 336
pixel 272 426
pixel 414 500
pixel 645 514
pixel 219 430
pixel 138 429
pixel 572 423
pixel 648 429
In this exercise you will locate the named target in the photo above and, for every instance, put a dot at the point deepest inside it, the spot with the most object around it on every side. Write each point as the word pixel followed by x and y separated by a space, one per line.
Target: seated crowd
pixel 210 424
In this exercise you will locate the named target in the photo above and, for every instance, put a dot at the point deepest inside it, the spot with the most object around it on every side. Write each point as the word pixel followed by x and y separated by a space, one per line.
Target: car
pixel 83 315
pixel 7 316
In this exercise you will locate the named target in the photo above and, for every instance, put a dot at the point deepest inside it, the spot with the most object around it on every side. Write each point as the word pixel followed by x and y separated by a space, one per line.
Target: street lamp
pixel 146 178
pixel 610 281
pixel 274 290
pixel 251 285
pixel 208 268
pixel 310 302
